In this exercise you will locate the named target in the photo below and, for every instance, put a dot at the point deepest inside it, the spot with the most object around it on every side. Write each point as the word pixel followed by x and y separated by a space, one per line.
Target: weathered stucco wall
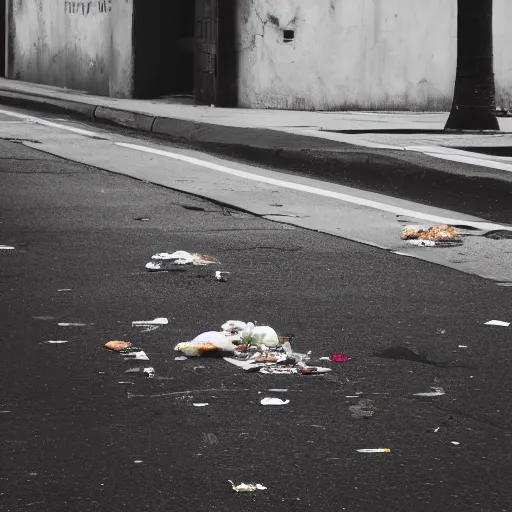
pixel 357 54
pixel 503 52
pixel 80 45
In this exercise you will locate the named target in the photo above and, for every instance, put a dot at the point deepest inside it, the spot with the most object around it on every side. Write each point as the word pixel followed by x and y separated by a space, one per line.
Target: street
pixel 306 257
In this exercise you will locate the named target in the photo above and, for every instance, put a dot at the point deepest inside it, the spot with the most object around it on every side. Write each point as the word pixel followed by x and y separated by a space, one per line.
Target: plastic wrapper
pixel 247 487
pixel 212 341
pixel 166 261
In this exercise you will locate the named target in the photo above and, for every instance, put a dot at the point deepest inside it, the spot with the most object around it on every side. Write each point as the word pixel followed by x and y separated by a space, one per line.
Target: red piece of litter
pixel 340 359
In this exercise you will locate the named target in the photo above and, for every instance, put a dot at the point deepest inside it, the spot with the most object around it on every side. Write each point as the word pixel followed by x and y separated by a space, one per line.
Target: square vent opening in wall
pixel 288 35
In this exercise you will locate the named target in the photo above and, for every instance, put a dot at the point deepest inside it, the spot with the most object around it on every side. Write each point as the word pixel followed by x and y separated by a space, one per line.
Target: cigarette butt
pixel 374 450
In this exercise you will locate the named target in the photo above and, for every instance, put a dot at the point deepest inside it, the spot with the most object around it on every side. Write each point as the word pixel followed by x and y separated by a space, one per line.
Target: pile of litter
pixel 255 348
pixel 165 262
pixel 433 236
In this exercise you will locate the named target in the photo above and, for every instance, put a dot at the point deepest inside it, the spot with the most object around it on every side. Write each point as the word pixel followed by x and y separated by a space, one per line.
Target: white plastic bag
pixel 206 342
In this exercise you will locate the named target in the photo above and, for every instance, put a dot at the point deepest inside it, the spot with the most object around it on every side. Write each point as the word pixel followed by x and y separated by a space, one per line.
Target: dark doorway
pixel 3 30
pixel 179 51
pixel 163 32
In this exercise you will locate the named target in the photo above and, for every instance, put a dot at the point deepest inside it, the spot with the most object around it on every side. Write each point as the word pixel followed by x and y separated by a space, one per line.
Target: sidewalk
pixel 209 124
pixel 390 152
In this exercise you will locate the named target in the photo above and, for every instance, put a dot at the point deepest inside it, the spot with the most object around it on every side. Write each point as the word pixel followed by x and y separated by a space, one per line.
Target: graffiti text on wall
pixel 86 8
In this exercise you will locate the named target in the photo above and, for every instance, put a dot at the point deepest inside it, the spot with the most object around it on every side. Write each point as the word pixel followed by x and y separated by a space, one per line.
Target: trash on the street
pixel 255 348
pixel 374 450
pixel 145 323
pixel 76 324
pixel 147 372
pixel 140 355
pixel 212 341
pixel 118 346
pixel 463 346
pixel 497 322
pixel 274 401
pixel 143 219
pixel 325 358
pixel 165 261
pixel 436 392
pixel 43 317
pixel 455 443
pixel 64 290
pixel 181 358
pixel 340 358
pixel 200 405
pixel 221 276
pixel 56 342
pixel 7 248
pixel 247 487
pixel 432 236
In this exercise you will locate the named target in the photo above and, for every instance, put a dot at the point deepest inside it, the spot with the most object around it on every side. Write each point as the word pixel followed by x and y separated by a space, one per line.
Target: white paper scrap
pixel 497 322
pixel 76 324
pixel 200 405
pixel 6 248
pixel 274 401
pixel 436 392
pixel 56 342
pixel 156 321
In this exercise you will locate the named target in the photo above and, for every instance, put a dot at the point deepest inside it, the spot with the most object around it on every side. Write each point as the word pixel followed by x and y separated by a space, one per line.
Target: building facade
pixel 280 54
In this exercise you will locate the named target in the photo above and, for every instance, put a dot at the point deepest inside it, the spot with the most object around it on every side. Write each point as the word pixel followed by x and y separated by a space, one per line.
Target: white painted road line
pixel 49 124
pixel 313 190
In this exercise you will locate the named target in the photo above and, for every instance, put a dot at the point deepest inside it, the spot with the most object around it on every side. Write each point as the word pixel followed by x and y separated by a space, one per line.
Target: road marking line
pixel 492 164
pixel 313 190
pixel 49 124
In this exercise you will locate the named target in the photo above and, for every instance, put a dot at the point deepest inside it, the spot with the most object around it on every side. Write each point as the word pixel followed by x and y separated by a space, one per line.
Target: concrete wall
pixel 357 54
pixel 82 45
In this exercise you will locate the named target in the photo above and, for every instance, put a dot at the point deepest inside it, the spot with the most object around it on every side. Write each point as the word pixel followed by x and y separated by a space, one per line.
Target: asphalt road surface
pixel 81 434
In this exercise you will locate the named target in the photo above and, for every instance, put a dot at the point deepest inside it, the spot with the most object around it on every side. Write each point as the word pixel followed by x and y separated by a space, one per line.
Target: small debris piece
pixel 497 322
pixel 374 450
pixel 437 429
pixel 56 342
pixel 221 276
pixel 200 405
pixel 274 401
pixel 118 346
pixel 433 233
pixel 436 392
pixel 64 290
pixel 463 346
pixel 143 219
pixel 181 358
pixel 324 358
pixel 77 324
pixel 138 461
pixel 7 248
pixel 145 323
pixel 340 358
pixel 137 356
pixel 166 261
pixel 455 443
pixel 247 487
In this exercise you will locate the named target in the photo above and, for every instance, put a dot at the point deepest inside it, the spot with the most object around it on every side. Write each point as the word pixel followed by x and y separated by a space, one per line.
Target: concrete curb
pixel 468 189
